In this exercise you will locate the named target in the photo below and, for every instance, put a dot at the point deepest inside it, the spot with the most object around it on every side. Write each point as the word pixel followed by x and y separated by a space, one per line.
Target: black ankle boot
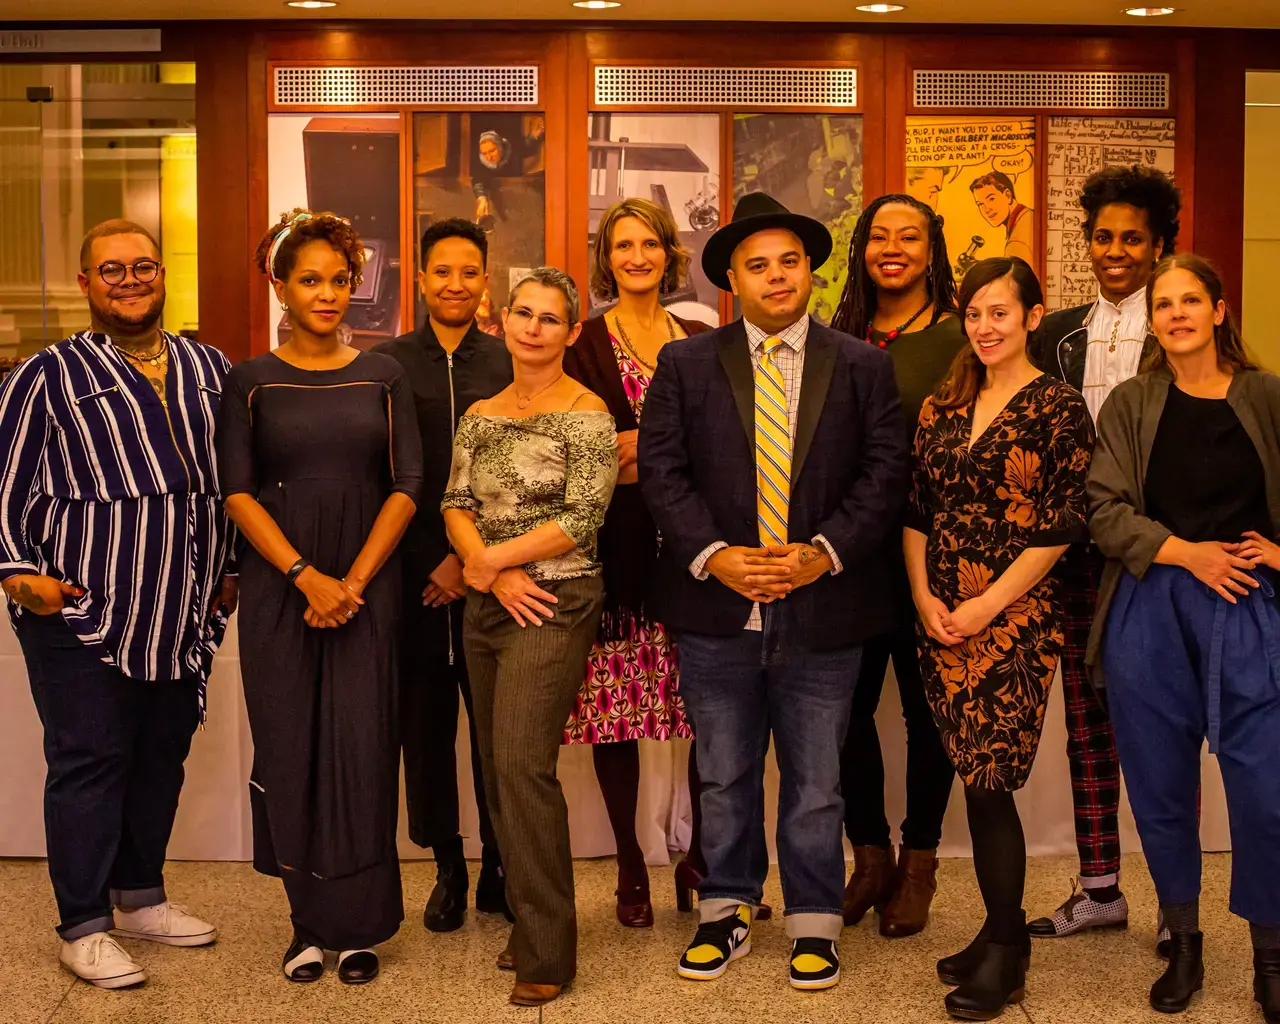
pixel 1266 983
pixel 1183 977
pixel 447 906
pixel 997 980
pixel 959 967
pixel 491 888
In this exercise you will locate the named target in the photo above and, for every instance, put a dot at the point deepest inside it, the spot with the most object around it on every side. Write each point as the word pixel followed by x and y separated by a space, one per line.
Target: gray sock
pixel 1264 937
pixel 1181 918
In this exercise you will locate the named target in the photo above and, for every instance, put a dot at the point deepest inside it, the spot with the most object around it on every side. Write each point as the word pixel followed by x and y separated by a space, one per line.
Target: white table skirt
pixel 213 817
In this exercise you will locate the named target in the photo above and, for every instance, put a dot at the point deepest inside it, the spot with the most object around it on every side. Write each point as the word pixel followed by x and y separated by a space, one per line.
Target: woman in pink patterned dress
pixel 629 692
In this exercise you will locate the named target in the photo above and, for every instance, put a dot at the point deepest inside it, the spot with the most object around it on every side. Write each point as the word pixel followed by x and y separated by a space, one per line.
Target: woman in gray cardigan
pixel 1184 500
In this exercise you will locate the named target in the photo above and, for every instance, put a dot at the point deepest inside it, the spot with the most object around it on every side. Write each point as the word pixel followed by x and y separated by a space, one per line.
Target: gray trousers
pixel 523 685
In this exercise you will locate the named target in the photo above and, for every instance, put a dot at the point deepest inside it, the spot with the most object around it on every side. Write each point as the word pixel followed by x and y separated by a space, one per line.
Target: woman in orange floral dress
pixel 1001 456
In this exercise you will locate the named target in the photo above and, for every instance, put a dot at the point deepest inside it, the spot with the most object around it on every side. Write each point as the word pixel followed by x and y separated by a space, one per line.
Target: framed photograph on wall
pixel 812 164
pixel 489 168
pixel 673 160
pixel 348 165
pixel 979 174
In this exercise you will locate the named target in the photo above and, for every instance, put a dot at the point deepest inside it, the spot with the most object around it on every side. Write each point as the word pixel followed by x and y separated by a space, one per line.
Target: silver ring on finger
pixel 351 615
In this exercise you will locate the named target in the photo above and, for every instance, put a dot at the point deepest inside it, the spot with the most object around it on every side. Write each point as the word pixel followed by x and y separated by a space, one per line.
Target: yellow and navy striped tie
pixel 773 448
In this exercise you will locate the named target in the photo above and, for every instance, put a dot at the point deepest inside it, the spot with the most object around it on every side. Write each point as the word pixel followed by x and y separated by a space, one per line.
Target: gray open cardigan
pixel 1126 431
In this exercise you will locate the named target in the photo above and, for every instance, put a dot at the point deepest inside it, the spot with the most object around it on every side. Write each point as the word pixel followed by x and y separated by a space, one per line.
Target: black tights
pixel 999 860
pixel 618 772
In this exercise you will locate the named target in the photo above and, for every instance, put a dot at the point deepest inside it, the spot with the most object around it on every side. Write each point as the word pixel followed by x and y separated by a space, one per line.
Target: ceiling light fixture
pixel 596 5
pixel 1149 12
pixel 881 8
pixel 311 5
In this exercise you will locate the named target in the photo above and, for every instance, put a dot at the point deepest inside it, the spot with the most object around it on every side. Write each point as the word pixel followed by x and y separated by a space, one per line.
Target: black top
pixel 346 427
pixel 920 361
pixel 479 368
pixel 1205 479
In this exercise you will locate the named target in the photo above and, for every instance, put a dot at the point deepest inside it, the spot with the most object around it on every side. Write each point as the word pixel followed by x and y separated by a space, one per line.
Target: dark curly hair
pixel 1143 187
pixel 303 226
pixel 857 306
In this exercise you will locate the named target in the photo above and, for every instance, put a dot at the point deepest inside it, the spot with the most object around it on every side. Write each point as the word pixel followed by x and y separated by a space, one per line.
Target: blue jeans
pixel 738 689
pixel 1181 665
pixel 115 749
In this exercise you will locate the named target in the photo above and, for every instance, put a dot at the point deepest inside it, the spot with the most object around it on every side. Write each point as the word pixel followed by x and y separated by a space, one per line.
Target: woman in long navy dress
pixel 320 461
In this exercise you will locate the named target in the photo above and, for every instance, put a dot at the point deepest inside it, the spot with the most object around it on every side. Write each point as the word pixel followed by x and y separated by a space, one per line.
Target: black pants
pixel 114 748
pixel 929 770
pixel 433 673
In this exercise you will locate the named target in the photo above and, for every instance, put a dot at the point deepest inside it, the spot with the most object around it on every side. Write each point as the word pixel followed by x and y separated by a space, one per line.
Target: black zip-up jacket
pixel 444 387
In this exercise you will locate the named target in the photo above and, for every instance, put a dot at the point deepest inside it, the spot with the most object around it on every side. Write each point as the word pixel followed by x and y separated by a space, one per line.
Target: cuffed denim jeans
pixel 739 690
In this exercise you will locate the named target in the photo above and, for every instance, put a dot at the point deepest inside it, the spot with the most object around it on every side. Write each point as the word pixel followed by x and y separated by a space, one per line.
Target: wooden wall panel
pixel 1207 68
pixel 227 160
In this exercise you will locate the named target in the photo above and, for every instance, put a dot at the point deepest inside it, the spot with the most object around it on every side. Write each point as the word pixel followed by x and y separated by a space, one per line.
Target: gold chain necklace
pixel 154 358
pixel 631 351
pixel 524 403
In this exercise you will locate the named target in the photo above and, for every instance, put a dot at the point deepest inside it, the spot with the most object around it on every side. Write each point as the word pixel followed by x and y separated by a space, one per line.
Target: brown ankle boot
pixel 871 884
pixel 908 911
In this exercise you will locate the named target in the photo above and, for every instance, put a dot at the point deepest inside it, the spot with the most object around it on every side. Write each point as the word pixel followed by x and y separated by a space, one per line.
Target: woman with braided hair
pixel 320 464
pixel 900 296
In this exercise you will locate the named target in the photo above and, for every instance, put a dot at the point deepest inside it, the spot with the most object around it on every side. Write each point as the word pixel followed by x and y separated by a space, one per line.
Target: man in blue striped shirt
pixel 114 555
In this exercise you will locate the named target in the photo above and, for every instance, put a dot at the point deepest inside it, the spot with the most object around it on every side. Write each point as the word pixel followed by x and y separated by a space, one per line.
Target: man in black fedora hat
pixel 772 456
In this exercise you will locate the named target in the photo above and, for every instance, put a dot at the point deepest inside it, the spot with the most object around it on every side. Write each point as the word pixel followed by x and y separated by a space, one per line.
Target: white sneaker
pixel 99 960
pixel 170 923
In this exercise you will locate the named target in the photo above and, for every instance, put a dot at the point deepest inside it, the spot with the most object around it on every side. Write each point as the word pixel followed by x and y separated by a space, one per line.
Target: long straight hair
pixel 964 379
pixel 857 306
pixel 1226 335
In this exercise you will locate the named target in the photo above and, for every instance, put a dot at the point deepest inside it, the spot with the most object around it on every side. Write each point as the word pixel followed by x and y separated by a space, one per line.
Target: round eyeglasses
pixel 144 271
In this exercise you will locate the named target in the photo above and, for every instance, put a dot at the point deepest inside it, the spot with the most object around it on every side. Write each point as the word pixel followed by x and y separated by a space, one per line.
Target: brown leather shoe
pixel 526 993
pixel 634 909
pixel 507 958
pixel 908 911
pixel 871 884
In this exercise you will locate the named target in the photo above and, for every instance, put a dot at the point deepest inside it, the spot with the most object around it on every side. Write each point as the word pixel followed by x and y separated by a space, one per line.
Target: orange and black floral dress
pixel 1021 485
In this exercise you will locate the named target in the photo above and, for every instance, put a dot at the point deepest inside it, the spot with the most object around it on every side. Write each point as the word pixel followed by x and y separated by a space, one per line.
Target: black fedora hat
pixel 759 211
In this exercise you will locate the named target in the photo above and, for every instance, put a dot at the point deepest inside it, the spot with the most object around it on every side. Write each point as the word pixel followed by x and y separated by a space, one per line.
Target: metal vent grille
pixel 1055 90
pixel 313 86
pixel 739 87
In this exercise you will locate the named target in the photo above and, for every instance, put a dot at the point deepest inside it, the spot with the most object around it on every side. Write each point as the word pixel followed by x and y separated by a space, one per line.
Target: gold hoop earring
pixel 284 306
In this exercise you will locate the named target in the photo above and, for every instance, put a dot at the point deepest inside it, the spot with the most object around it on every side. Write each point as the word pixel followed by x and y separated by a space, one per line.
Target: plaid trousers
pixel 1091 746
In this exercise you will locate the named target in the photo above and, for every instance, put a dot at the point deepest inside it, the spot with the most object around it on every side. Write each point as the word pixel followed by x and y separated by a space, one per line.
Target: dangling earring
pixel 284 306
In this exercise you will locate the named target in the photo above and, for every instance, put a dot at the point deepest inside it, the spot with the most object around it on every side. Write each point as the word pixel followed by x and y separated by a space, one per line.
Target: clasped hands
pixel 1227 568
pixel 951 627
pixel 768 574
pixel 330 602
pixel 513 587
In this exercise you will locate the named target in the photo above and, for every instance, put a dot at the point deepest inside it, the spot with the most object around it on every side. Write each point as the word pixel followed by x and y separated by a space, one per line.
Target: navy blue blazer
pixel 849 470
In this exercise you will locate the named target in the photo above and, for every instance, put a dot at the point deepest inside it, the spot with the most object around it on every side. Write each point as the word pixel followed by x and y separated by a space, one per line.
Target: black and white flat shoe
pixel 357 966
pixel 303 962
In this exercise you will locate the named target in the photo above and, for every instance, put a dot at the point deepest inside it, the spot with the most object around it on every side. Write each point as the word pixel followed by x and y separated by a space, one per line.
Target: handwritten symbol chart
pixel 1079 146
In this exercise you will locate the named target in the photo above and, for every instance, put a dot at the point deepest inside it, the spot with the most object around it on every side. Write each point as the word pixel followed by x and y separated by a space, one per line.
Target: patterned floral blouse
pixel 518 473
pixel 1021 484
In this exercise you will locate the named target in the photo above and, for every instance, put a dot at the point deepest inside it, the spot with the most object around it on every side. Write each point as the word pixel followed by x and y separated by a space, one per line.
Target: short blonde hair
pixel 661 223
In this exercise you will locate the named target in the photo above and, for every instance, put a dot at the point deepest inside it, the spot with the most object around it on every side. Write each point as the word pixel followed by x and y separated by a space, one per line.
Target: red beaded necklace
pixel 899 329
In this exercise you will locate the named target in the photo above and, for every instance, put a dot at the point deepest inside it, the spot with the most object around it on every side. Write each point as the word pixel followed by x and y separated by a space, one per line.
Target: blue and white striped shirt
pixel 104 488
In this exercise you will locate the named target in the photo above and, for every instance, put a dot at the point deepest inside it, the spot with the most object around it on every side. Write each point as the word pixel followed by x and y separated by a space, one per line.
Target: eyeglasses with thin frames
pixel 144 271
pixel 520 316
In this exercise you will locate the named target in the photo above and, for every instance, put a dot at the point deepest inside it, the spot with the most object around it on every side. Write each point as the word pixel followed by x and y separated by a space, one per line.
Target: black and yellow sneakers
pixel 716 944
pixel 814 964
